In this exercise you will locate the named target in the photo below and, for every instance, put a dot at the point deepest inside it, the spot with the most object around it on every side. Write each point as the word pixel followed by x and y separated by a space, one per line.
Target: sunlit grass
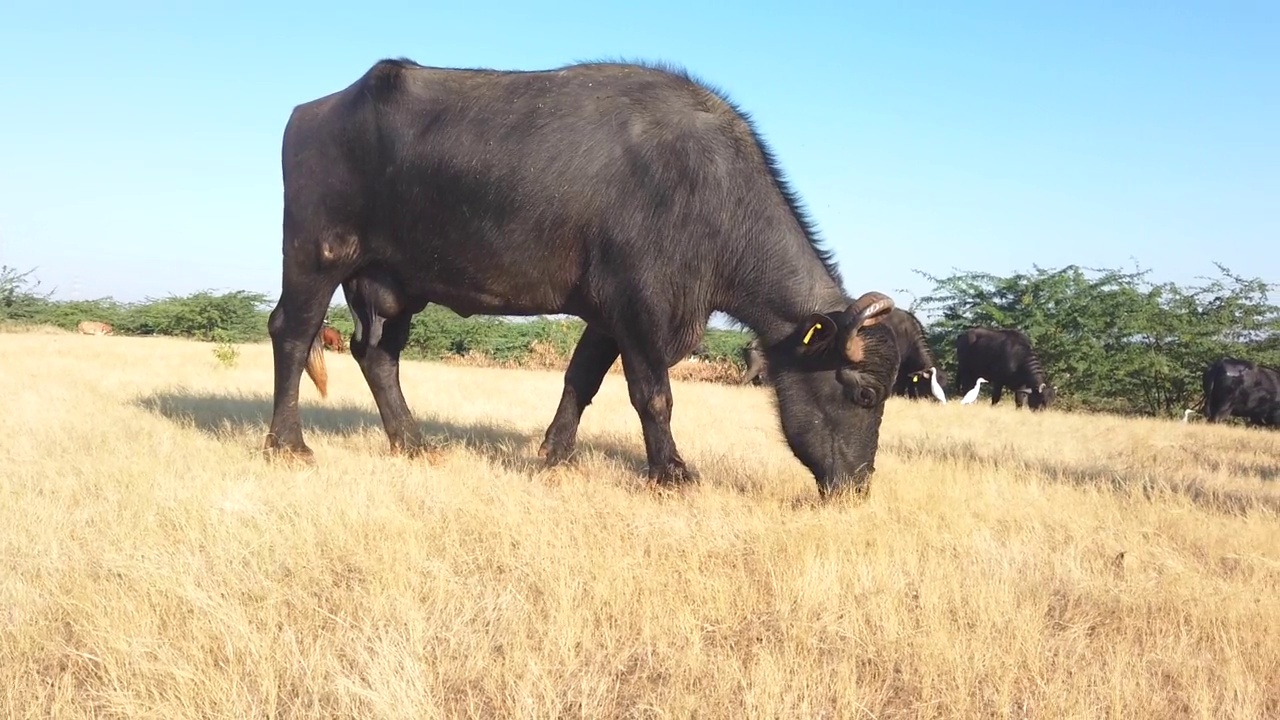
pixel 1005 564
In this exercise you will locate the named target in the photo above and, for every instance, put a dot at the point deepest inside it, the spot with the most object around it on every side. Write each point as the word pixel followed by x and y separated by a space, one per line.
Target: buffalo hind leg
pixel 649 386
pixel 294 325
pixel 380 363
pixel 592 358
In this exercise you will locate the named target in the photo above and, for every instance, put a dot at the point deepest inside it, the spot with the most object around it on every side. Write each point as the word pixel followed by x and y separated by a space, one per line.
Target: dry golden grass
pixel 1005 565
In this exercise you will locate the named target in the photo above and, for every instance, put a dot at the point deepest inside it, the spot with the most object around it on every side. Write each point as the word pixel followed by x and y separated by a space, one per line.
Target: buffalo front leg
pixel 294 325
pixel 378 355
pixel 591 360
pixel 997 392
pixel 649 386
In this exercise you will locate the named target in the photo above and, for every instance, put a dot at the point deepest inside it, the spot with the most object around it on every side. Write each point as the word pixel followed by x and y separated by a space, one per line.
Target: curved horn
pixel 866 311
pixel 869 309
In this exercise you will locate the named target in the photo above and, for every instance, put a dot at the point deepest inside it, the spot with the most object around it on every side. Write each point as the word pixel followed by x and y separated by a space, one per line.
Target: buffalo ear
pixel 816 334
pixel 855 349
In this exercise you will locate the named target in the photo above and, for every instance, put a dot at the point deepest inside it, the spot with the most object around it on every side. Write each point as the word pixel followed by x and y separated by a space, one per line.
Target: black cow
pixel 914 358
pixel 1004 358
pixel 633 197
pixel 1240 388
pixel 753 359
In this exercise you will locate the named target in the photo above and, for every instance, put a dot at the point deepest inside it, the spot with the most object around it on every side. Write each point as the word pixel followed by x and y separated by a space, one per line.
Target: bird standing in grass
pixel 972 395
pixel 936 387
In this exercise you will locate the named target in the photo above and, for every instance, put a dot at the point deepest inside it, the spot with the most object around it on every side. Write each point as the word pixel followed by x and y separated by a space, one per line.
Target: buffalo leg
pixel 649 386
pixel 380 363
pixel 753 359
pixel 964 381
pixel 1220 414
pixel 294 324
pixel 997 391
pixel 591 360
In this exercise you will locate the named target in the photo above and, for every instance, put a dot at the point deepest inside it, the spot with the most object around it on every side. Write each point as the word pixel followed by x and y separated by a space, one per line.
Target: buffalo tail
pixel 315 364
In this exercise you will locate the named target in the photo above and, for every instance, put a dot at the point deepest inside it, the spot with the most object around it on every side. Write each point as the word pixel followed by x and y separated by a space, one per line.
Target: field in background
pixel 1005 564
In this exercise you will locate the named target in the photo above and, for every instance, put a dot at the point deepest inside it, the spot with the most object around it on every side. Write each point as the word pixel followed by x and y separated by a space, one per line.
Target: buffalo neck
pixel 773 297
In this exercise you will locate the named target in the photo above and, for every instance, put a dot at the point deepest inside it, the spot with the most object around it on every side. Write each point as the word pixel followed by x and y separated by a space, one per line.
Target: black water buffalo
pixel 753 360
pixel 633 197
pixel 1004 358
pixel 1240 388
pixel 914 358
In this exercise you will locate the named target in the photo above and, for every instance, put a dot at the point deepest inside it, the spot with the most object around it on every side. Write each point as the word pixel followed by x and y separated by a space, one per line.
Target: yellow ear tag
pixel 809 335
pixel 915 379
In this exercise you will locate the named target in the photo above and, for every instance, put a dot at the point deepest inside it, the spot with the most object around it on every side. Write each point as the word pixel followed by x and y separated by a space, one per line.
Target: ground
pixel 1005 565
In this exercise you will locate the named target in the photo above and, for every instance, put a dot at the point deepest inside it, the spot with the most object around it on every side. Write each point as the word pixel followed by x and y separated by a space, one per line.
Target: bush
pixel 1109 340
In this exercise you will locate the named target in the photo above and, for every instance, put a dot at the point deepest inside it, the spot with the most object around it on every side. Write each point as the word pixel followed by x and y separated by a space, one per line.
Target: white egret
pixel 972 395
pixel 936 386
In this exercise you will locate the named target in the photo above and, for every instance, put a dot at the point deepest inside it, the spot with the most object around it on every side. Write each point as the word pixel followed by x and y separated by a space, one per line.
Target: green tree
pixel 19 301
pixel 1109 339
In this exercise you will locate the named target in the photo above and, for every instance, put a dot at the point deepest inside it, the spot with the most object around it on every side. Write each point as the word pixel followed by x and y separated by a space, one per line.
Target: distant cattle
pixel 1243 389
pixel 89 327
pixel 332 339
pixel 1006 359
pixel 635 198
pixel 915 358
pixel 753 360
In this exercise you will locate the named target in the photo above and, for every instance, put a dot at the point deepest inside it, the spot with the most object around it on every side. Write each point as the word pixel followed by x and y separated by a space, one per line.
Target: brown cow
pixel 89 327
pixel 332 339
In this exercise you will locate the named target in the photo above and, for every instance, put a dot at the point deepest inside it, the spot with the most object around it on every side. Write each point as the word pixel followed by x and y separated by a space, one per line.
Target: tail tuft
pixel 315 365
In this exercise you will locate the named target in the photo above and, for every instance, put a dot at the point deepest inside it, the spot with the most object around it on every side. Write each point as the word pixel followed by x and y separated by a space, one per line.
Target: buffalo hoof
pixel 674 473
pixel 415 449
pixel 555 452
pixel 292 454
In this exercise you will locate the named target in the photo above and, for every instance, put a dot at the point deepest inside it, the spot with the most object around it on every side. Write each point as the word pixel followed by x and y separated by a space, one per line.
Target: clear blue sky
pixel 140 141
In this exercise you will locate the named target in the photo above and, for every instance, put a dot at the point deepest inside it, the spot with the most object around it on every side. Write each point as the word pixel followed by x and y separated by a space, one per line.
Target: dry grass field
pixel 1004 565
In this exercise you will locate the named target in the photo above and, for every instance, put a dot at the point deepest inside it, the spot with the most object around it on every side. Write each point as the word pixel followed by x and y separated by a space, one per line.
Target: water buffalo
pixel 1006 359
pixel 1240 388
pixel 753 359
pixel 915 358
pixel 633 197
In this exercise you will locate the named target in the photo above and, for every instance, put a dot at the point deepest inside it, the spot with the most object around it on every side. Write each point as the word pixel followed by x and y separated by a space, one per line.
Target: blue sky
pixel 140 141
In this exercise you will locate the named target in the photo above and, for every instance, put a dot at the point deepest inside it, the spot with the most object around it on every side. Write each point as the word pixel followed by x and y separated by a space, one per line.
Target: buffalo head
pixel 1041 396
pixel 832 376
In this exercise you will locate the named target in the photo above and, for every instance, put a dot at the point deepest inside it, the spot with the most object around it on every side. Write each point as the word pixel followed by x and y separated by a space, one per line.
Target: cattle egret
pixel 936 387
pixel 972 395
pixel 1186 414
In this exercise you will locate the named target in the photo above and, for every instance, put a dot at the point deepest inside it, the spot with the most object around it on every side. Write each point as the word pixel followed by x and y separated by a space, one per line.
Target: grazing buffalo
pixel 1006 359
pixel 332 339
pixel 633 197
pixel 89 327
pixel 753 359
pixel 915 358
pixel 1240 388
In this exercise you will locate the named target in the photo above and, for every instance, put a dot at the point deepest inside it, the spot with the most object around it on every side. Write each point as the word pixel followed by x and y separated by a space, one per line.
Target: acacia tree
pixel 19 301
pixel 1110 340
